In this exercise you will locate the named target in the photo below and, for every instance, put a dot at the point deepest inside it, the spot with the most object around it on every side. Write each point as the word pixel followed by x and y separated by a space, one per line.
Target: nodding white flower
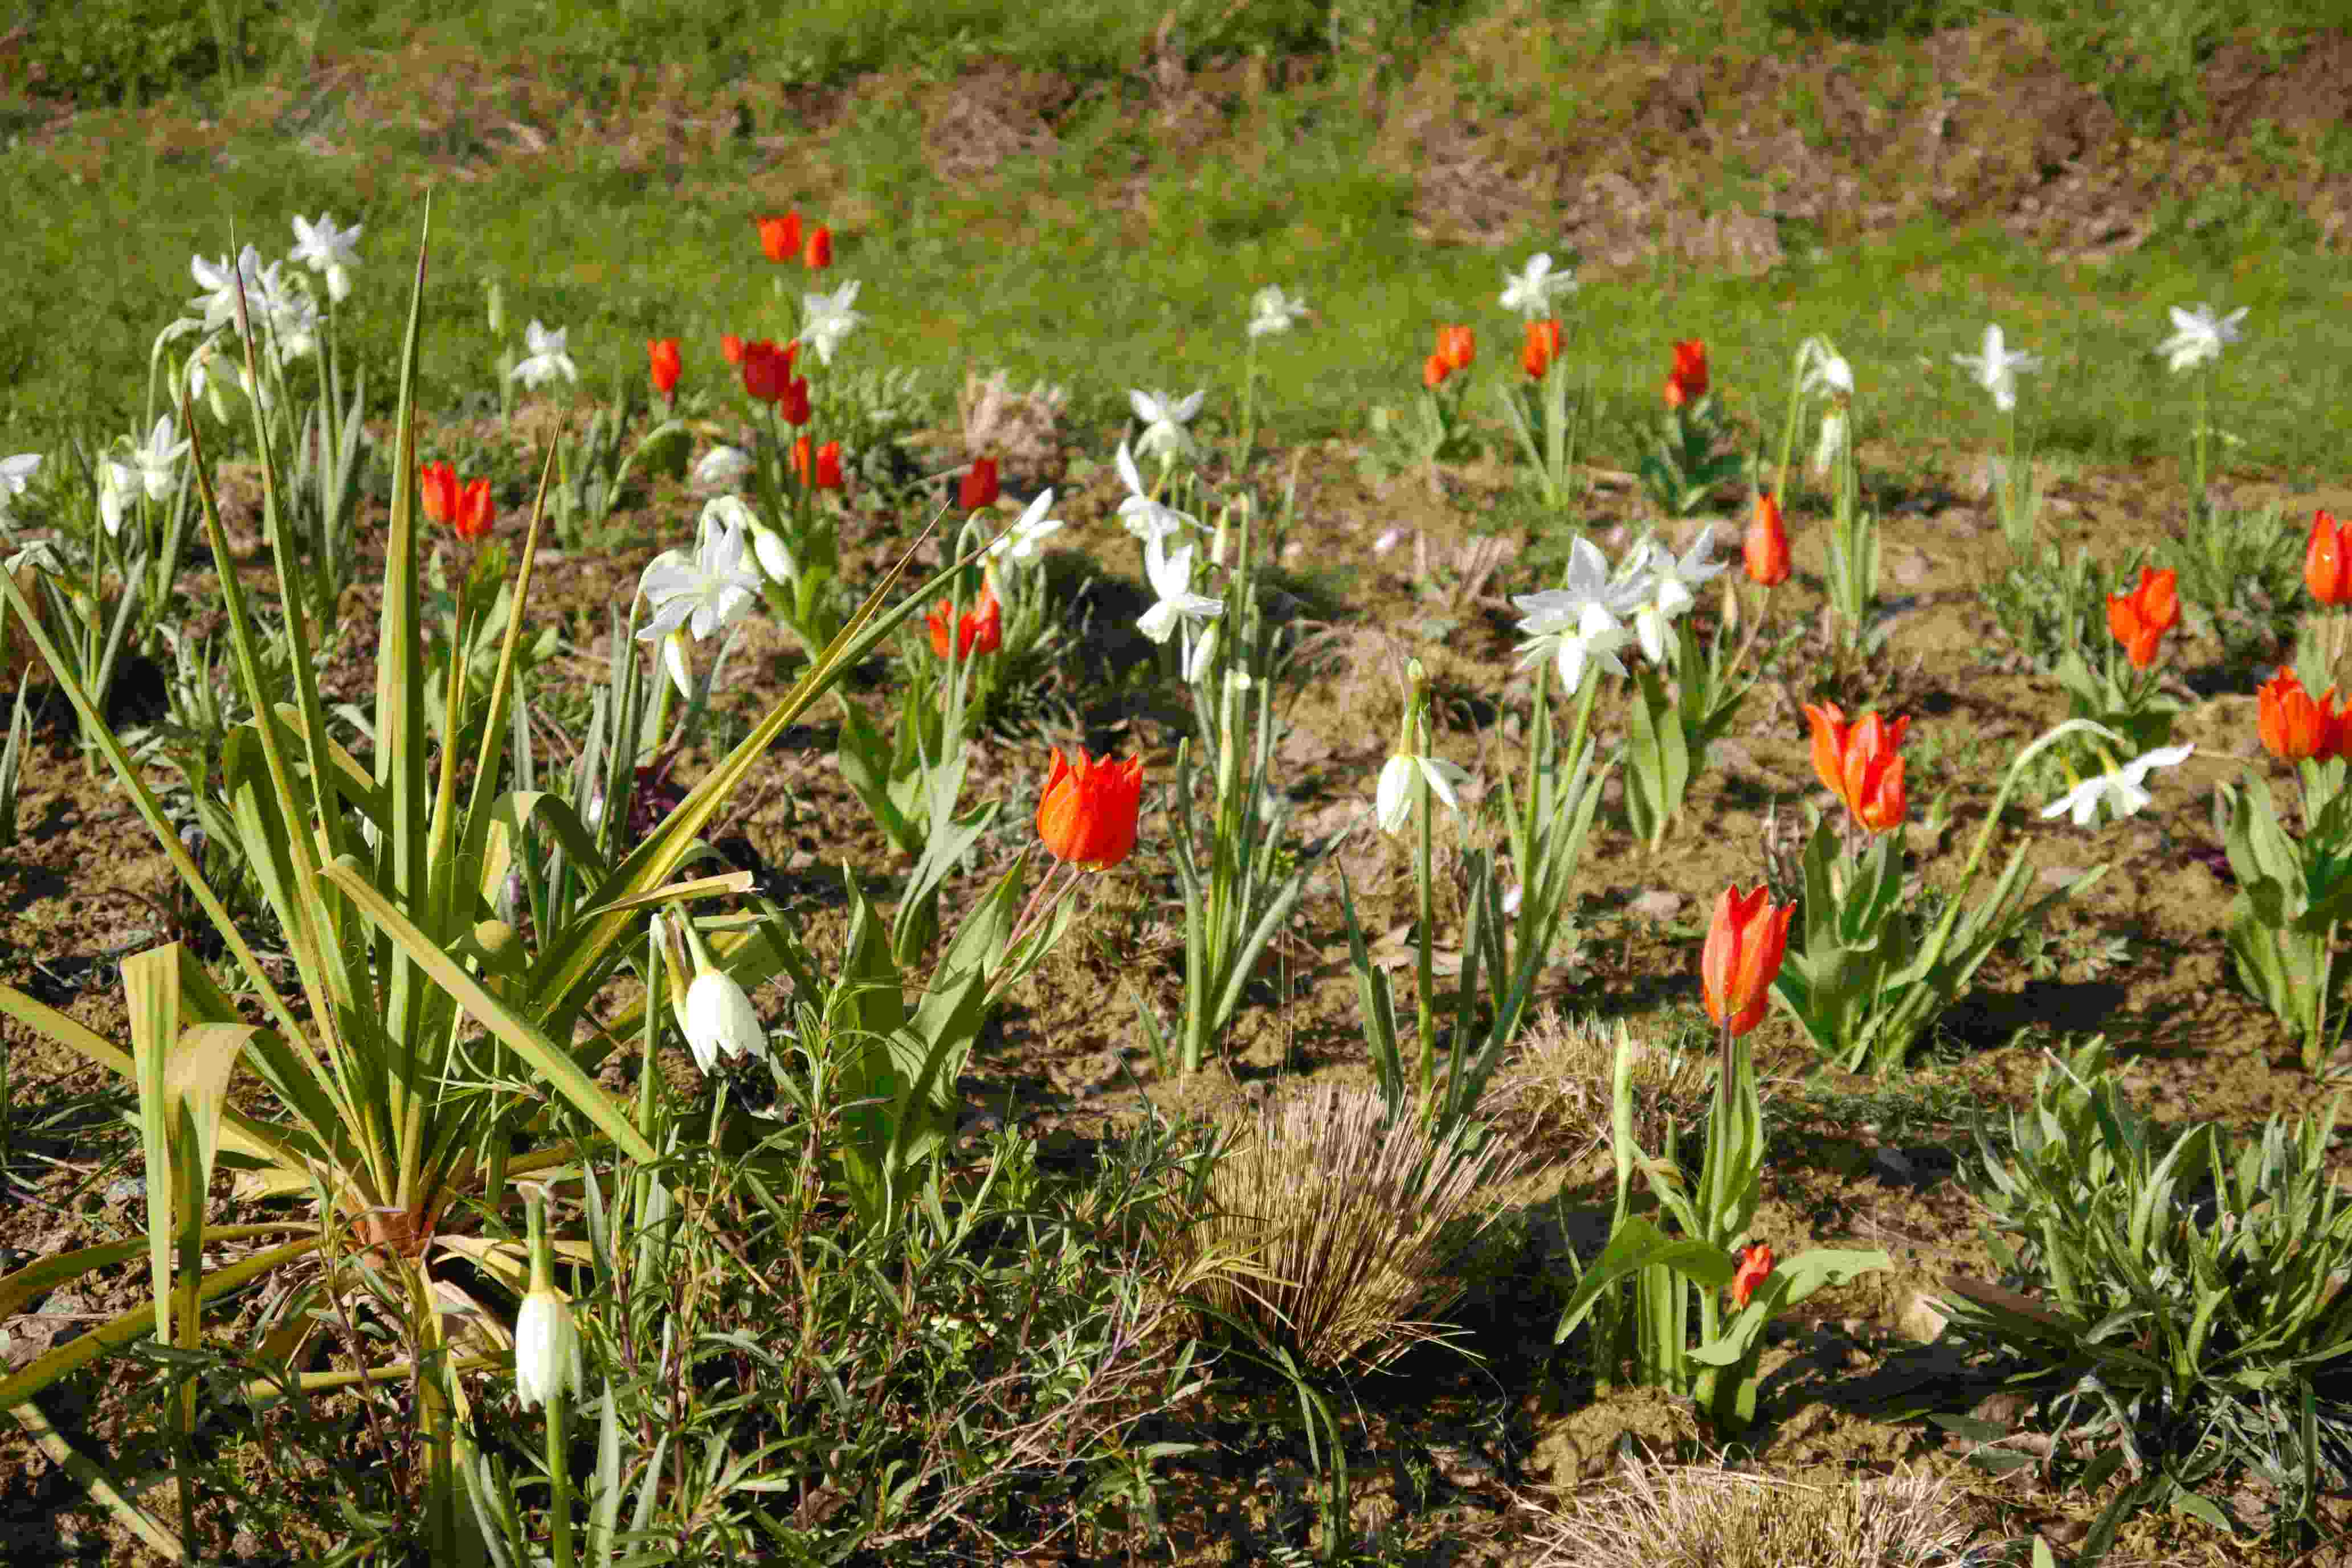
pixel 2198 336
pixel 218 280
pixel 1394 798
pixel 1831 442
pixel 718 1018
pixel 16 477
pixel 1171 579
pixel 827 319
pixel 1143 517
pixel 117 484
pixel 324 248
pixel 1560 609
pixel 546 1349
pixel 1021 541
pixel 722 466
pixel 1164 419
pixel 1272 311
pixel 1822 369
pixel 1996 369
pixel 1530 292
pixel 546 361
pixel 1670 585
pixel 775 557
pixel 159 459
pixel 2119 787
pixel 1591 644
pixel 709 592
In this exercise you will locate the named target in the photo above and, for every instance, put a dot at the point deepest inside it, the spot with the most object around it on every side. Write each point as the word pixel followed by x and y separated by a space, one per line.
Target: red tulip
pixel 981 629
pixel 663 362
pixel 1087 814
pixel 1755 1268
pixel 819 254
pixel 1857 761
pixel 1745 944
pixel 766 371
pixel 1541 348
pixel 979 486
pixel 1433 371
pixel 472 518
pixel 1458 346
pixel 828 463
pixel 2293 726
pixel 2141 619
pixel 731 348
pixel 780 237
pixel 1765 547
pixel 1686 383
pixel 2327 561
pixel 438 486
pixel 793 403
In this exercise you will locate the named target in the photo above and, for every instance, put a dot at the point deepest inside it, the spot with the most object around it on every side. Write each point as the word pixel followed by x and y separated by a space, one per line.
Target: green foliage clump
pixel 117 51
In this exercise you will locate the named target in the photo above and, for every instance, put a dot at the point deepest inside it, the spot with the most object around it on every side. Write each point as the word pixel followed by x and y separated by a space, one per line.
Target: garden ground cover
pixel 2078 257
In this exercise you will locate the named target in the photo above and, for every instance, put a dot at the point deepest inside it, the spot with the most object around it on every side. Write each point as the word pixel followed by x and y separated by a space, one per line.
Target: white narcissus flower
pixel 1143 517
pixel 722 466
pixel 1171 579
pixel 218 280
pixel 1020 542
pixel 1530 292
pixel 775 557
pixel 2119 787
pixel 117 484
pixel 718 1018
pixel 546 1349
pixel 1996 369
pixel 1164 418
pixel 2198 336
pixel 827 319
pixel 707 593
pixel 546 361
pixel 159 459
pixel 1272 311
pixel 1394 799
pixel 1593 644
pixel 16 477
pixel 1671 582
pixel 325 250
pixel 1561 609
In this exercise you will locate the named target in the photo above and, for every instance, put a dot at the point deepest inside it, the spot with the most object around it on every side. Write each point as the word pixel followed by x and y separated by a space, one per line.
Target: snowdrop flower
pixel 1272 311
pixel 2197 336
pixel 158 460
pixel 39 554
pixel 547 361
pixel 1594 642
pixel 1020 542
pixel 1171 579
pixel 2119 787
pixel 718 1019
pixel 1164 419
pixel 1143 517
pixel 1530 292
pixel 547 1348
pixel 117 484
pixel 1393 800
pixel 1557 610
pixel 827 319
pixel 722 466
pixel 17 478
pixel 324 248
pixel 1996 369
pixel 1670 585
pixel 707 593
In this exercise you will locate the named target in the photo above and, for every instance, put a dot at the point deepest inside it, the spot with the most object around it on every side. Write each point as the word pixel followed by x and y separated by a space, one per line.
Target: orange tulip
pixel 1541 348
pixel 2327 561
pixel 731 348
pixel 780 237
pixel 472 518
pixel 2293 726
pixel 1755 1268
pixel 1765 546
pixel 1686 383
pixel 437 485
pixel 828 463
pixel 1433 371
pixel 819 254
pixel 1745 944
pixel 1858 764
pixel 981 629
pixel 979 486
pixel 1087 814
pixel 663 362
pixel 2141 619
pixel 1457 346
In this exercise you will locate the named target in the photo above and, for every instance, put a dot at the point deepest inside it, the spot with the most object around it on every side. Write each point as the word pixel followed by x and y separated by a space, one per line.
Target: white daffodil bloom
pixel 775 557
pixel 1671 582
pixel 1164 419
pixel 723 467
pixel 709 592
pixel 1143 517
pixel 1394 799
pixel 546 361
pixel 1592 644
pixel 2197 336
pixel 1996 369
pixel 17 478
pixel 1560 609
pixel 827 319
pixel 293 318
pixel 1822 369
pixel 118 485
pixel 1530 292
pixel 546 1349
pixel 1171 579
pixel 2120 787
pixel 158 461
pixel 218 280
pixel 718 1019
pixel 1273 312
pixel 1020 542
pixel 327 250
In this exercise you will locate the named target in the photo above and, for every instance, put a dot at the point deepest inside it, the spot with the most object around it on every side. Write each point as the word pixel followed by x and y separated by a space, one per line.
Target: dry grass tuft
pixel 1699 1516
pixel 1350 1226
pixel 1561 1083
